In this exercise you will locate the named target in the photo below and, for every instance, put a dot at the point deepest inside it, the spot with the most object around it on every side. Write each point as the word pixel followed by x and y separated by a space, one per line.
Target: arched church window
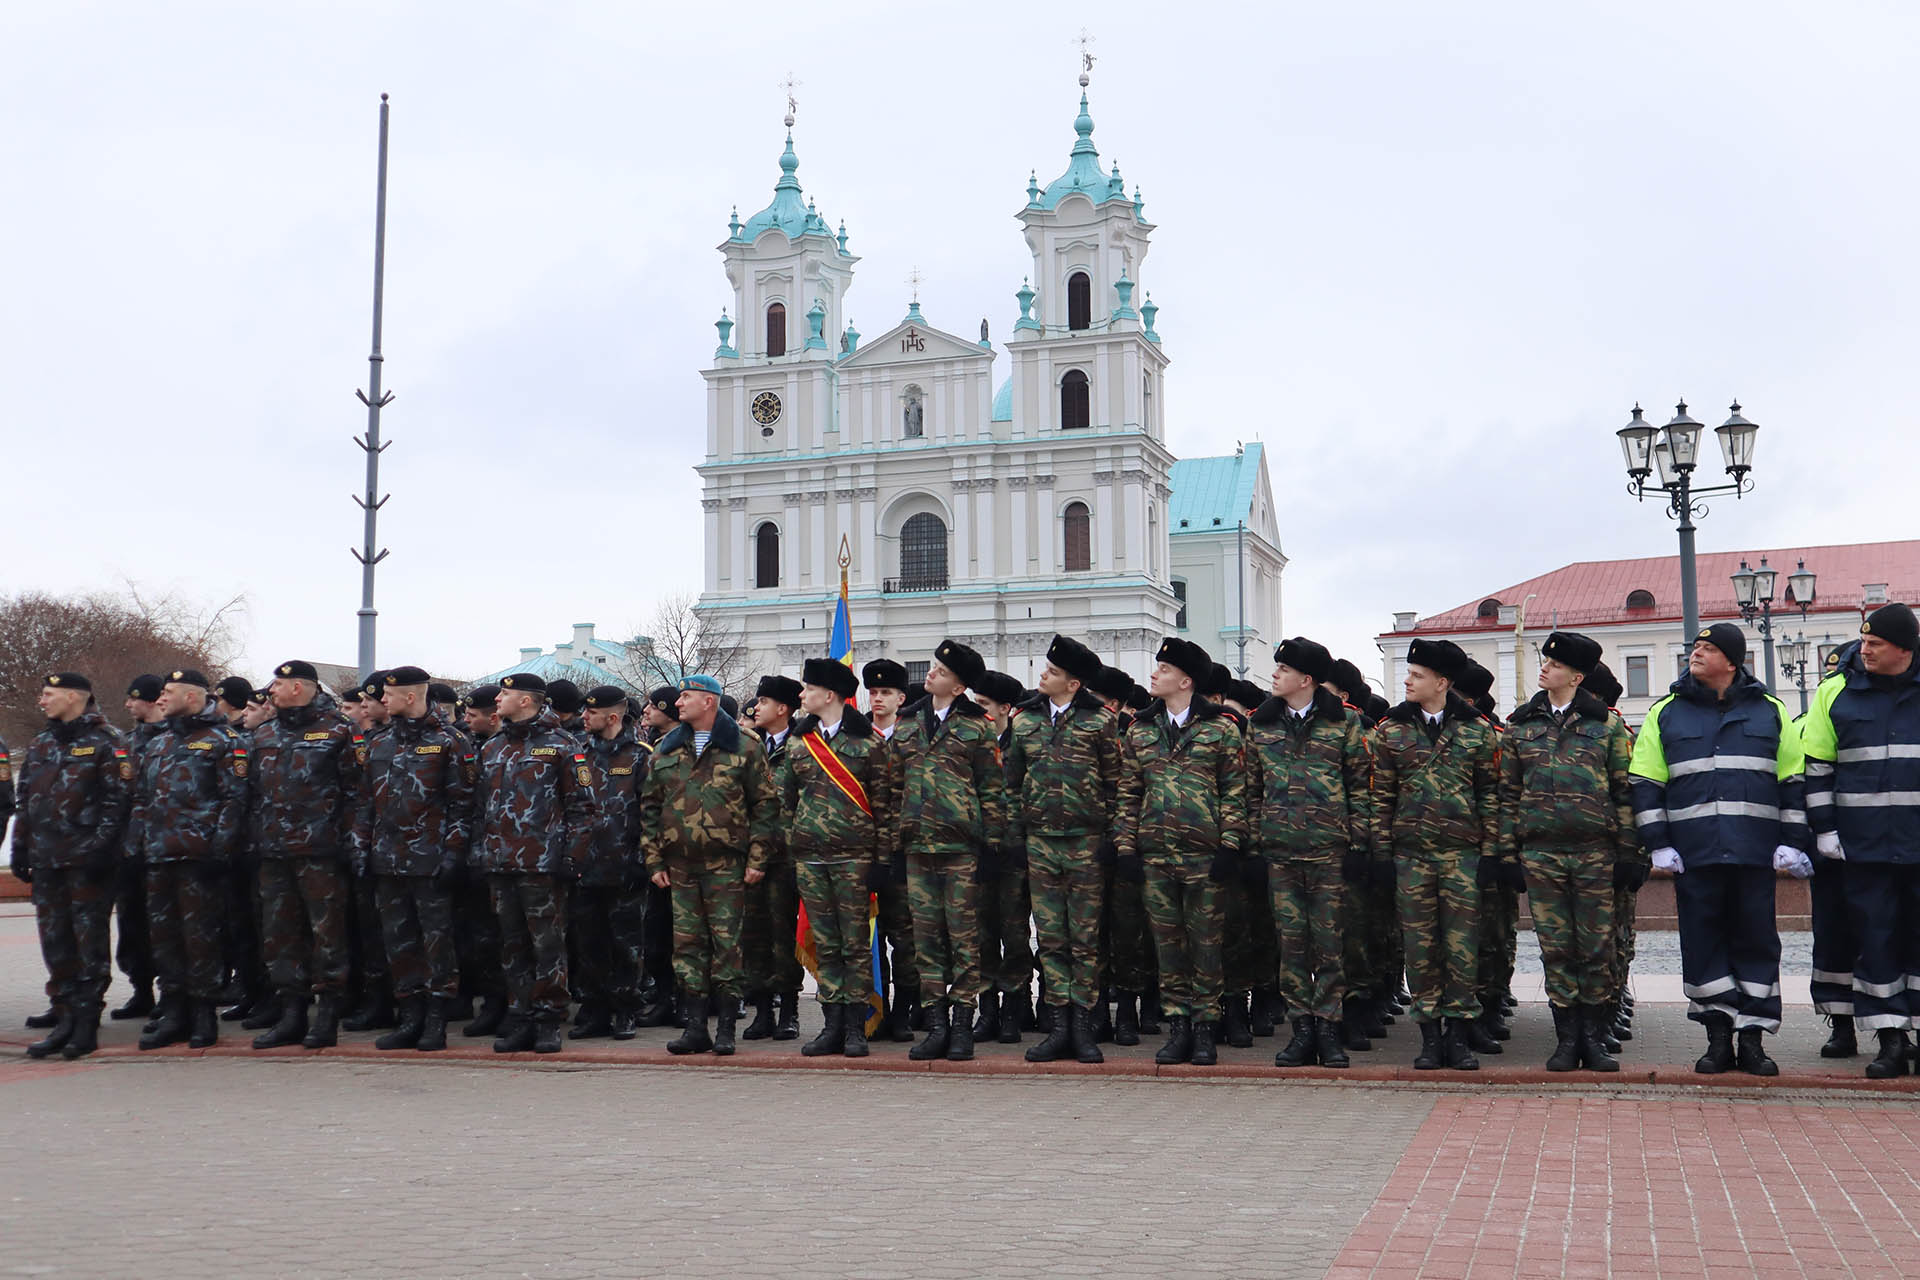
pixel 1077 524
pixel 766 556
pixel 1074 412
pixel 777 329
pixel 1079 301
pixel 913 417
pixel 923 552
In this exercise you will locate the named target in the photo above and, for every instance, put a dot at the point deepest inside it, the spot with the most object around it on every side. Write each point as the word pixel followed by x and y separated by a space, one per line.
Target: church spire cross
pixel 913 282
pixel 793 103
pixel 1085 41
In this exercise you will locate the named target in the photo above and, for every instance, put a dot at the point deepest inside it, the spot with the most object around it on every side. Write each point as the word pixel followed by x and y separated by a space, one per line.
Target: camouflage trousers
pixel 709 901
pixel 606 924
pixel 1384 943
pixel 416 924
pixel 476 938
pixel 303 925
pixel 134 951
pixel 73 910
pixel 1439 897
pixel 532 911
pixel 1626 907
pixel 1069 889
pixel 1250 938
pixel 1835 949
pixel 1309 903
pixel 1006 930
pixel 837 897
pixel 944 899
pixel 1356 940
pixel 1127 961
pixel 1184 911
pixel 1498 942
pixel 1571 898
pixel 366 950
pixel 185 903
pixel 896 936
pixel 768 927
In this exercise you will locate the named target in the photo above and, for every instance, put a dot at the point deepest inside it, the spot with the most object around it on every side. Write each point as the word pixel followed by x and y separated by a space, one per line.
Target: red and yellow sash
pixel 835 768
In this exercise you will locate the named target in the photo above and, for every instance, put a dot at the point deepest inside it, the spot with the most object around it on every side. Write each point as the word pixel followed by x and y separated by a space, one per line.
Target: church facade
pixel 997 510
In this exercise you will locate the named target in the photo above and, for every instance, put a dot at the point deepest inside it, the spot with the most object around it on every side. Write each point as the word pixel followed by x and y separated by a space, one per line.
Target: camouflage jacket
pixel 1185 792
pixel 1307 779
pixel 76 788
pixel 306 777
pixel 1436 794
pixel 1063 773
pixel 1564 788
pixel 414 808
pixel 618 769
pixel 953 793
pixel 136 740
pixel 190 791
pixel 720 804
pixel 823 823
pixel 776 764
pixel 536 801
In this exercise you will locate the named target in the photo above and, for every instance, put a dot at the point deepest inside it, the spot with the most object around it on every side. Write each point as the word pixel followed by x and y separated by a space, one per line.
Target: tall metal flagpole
pixel 375 401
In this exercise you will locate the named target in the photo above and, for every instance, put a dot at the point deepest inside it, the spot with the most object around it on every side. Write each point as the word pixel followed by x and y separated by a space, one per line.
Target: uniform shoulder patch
pixel 580 771
pixel 239 761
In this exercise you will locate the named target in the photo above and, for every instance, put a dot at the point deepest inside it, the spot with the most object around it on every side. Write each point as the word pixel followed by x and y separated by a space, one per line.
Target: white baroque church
pixel 997 511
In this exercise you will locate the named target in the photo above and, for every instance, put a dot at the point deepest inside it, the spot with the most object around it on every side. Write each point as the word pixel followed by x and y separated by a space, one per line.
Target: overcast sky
pixel 1430 254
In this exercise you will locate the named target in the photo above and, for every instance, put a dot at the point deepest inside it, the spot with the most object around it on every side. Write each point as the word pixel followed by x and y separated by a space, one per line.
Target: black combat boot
pixel 896 1028
pixel 1454 1048
pixel 833 1034
pixel 1299 1050
pixel 376 1011
pixel 86 1032
pixel 1892 1058
pixel 761 1027
pixel 987 1025
pixel 1234 1025
pixel 1622 1029
pixel 1086 1046
pixel 240 1009
pixel 786 1023
pixel 694 1039
pixel 170 1027
pixel 493 1011
pixel 939 1033
pixel 1385 1011
pixel 1150 1010
pixel 1478 1038
pixel 516 1034
pixel 723 1027
pixel 625 1025
pixel 855 1016
pixel 324 1033
pixel 267 1013
pixel 1058 1042
pixel 546 1035
pixel 1432 1055
pixel 1126 1018
pixel 1353 1025
pixel 1373 1023
pixel 413 1016
pixel 1260 1013
pixel 433 1029
pixel 1102 1022
pixel 206 1025
pixel 41 1021
pixel 960 1046
pixel 1203 1051
pixel 1841 1044
pixel 1566 1050
pixel 1594 1054
pixel 657 1008
pixel 1179 1045
pixel 169 1005
pixel 1719 1054
pixel 1493 1016
pixel 57 1037
pixel 918 1015
pixel 1326 1043
pixel 1750 1054
pixel 595 1020
pixel 138 1005
pixel 289 1028
pixel 1010 1015
pixel 1601 1016
pixel 1043 1016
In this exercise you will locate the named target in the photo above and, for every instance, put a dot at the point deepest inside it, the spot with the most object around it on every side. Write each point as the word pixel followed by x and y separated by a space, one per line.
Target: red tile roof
pixel 1592 592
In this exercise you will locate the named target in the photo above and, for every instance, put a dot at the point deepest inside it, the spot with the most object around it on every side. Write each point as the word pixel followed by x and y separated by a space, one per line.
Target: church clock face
pixel 766 408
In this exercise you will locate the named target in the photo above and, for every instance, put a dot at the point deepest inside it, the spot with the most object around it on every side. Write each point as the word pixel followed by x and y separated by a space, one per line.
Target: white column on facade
pixel 983 513
pixel 961 553
pixel 1133 513
pixel 1017 502
pixel 711 513
pixel 790 533
pixel 939 407
pixel 865 570
pixel 737 411
pixel 818 554
pixel 1046 522
pixel 1105 412
pixel 737 531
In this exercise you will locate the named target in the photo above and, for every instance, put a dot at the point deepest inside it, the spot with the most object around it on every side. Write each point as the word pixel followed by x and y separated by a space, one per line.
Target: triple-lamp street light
pixel 1673 451
pixel 1753 592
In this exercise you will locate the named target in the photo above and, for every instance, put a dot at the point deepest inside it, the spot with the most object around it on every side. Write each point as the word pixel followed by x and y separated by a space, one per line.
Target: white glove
pixel 1827 845
pixel 1792 861
pixel 1667 859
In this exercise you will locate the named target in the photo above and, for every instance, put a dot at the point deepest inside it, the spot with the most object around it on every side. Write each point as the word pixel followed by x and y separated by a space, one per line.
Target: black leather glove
pixel 447 876
pixel 1488 877
pixel 1107 853
pixel 1513 875
pixel 1630 875
pixel 21 871
pixel 1226 866
pixel 1253 871
pixel 878 874
pixel 1130 867
pixel 1354 866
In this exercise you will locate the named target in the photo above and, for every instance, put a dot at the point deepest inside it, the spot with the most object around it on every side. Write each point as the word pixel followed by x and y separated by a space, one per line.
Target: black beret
pixel 484 697
pixel 1442 657
pixel 832 675
pixel 523 682
pixel 1309 657
pixel 375 682
pixel 353 695
pixel 262 695
pixel 1895 624
pixel 1000 687
pixel 1186 656
pixel 69 680
pixel 439 691
pixel 235 691
pixel 884 673
pixel 188 676
pixel 296 670
pixel 782 689
pixel 1602 685
pixel 1571 649
pixel 666 698
pixel 602 696
pixel 730 705
pixel 1079 662
pixel 1475 682
pixel 1110 683
pixel 966 663
pixel 1727 638
pixel 400 677
pixel 145 688
pixel 564 696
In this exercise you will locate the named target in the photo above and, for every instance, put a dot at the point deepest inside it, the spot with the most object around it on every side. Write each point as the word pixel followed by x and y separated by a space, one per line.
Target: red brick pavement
pixel 1613 1187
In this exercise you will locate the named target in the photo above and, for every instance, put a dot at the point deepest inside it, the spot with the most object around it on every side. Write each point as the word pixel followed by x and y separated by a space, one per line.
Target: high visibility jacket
pixel 1862 743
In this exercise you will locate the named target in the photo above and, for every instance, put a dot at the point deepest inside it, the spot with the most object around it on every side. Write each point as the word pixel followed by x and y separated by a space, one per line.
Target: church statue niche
pixel 913 416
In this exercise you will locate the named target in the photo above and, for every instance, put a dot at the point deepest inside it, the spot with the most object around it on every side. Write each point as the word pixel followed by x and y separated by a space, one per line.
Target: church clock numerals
pixel 766 408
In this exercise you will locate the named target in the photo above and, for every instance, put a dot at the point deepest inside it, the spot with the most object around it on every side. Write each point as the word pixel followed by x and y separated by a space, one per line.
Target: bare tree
pixel 682 641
